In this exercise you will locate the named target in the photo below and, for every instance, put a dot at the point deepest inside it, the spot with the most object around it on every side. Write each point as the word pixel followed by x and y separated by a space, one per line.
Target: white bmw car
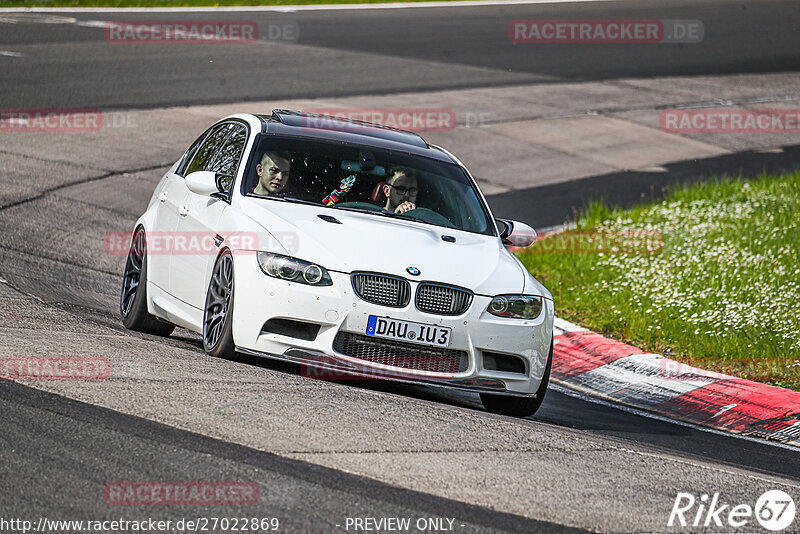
pixel 353 249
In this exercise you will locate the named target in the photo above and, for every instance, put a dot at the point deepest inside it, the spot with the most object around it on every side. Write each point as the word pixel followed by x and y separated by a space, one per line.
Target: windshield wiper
pixel 300 201
pixel 404 216
pixel 362 210
pixel 390 214
pixel 382 212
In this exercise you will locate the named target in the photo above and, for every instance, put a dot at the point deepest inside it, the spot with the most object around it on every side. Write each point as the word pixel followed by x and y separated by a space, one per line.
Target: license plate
pixel 424 334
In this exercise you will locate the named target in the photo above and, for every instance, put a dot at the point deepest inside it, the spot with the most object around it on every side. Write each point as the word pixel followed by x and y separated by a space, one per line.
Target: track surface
pixel 575 463
pixel 54 438
pixel 376 51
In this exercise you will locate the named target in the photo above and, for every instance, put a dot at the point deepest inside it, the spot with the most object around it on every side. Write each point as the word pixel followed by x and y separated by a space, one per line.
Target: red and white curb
pixel 605 368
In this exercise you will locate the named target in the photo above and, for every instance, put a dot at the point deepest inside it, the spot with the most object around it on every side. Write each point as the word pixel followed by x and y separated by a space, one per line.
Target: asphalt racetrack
pixel 344 53
pixel 320 452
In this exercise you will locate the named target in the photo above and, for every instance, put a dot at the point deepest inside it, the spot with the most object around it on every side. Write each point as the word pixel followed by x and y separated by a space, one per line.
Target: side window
pixel 181 170
pixel 229 155
pixel 205 154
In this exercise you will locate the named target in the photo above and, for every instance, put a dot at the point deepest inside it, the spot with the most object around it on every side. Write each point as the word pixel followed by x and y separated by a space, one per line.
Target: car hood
pixel 365 242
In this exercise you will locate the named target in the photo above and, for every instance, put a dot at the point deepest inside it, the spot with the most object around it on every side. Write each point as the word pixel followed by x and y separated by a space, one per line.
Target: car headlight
pixel 517 306
pixel 292 269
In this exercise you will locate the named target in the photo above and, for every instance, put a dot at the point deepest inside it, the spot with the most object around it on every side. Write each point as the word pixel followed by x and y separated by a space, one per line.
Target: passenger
pixel 401 191
pixel 273 173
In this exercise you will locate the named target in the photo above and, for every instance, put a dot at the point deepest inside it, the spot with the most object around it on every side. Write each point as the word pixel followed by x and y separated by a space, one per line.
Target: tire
pixel 218 310
pixel 133 297
pixel 519 406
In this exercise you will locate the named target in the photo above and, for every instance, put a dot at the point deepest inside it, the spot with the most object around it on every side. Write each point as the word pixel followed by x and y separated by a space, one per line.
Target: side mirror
pixel 516 234
pixel 211 184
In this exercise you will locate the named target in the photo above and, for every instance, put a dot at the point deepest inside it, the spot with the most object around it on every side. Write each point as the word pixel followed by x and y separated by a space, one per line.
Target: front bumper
pixel 320 366
pixel 337 308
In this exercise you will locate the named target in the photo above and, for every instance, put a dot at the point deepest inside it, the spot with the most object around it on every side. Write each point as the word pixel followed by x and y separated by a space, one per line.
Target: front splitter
pixel 330 368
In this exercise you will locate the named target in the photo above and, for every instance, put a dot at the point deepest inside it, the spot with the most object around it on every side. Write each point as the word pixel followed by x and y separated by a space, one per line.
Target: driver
pixel 273 173
pixel 401 191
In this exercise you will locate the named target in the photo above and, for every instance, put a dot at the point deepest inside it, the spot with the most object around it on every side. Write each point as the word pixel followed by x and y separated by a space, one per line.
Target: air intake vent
pixel 382 289
pixel 493 361
pixel 290 328
pixel 442 300
pixel 399 354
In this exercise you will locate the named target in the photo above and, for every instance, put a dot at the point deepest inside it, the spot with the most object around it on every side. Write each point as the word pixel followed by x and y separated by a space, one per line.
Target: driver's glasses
pixel 403 191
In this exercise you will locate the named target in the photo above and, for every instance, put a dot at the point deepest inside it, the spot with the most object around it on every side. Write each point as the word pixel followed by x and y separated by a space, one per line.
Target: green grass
pixel 722 294
pixel 181 3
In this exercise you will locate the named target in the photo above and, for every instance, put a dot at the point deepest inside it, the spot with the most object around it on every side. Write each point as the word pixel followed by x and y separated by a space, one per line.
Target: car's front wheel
pixel 218 312
pixel 519 406
pixel 133 299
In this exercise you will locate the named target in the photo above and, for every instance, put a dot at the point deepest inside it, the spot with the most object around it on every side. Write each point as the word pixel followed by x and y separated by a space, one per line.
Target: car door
pixel 170 197
pixel 199 216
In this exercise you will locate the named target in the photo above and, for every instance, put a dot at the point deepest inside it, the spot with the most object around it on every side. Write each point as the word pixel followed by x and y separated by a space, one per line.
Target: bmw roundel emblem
pixel 413 271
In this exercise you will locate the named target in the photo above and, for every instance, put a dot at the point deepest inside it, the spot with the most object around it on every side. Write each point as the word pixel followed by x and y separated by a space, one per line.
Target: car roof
pixel 288 123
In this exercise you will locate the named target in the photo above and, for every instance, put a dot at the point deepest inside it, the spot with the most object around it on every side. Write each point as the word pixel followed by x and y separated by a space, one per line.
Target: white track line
pixel 293 8
pixel 10 54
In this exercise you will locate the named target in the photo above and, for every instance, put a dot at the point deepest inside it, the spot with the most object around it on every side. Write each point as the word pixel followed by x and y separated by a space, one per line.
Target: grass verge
pixel 709 277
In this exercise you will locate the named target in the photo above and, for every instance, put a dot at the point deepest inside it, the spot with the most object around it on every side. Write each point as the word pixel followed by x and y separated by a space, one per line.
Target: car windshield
pixel 380 182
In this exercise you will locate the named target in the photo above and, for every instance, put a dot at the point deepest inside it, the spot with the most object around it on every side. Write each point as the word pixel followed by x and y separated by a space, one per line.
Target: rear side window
pixel 204 156
pixel 187 158
pixel 229 155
